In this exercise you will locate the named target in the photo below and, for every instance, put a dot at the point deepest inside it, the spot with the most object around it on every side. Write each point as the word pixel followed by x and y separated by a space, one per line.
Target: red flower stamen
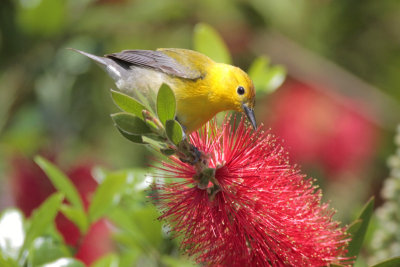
pixel 265 213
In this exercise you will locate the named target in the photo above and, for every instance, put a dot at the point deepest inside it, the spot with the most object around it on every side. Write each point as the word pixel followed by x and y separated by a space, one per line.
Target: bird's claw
pixel 193 155
pixel 197 154
pixel 205 176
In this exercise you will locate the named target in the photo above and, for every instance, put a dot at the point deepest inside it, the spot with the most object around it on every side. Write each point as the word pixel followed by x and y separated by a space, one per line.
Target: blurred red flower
pixel 30 187
pixel 329 131
pixel 266 212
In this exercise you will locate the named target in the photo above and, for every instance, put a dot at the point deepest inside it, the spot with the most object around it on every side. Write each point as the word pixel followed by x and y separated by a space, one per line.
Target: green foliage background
pixel 52 99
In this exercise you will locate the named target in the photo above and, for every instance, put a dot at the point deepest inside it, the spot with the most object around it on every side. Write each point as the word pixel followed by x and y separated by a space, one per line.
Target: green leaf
pixel 393 262
pixel 154 126
pixel 206 40
pixel 107 261
pixel 127 103
pixel 122 220
pixel 132 137
pixel 107 195
pixel 77 216
pixel 146 99
pixel 174 131
pixel 354 227
pixel 166 104
pixel 155 141
pixel 276 76
pixel 46 249
pixel 61 182
pixel 12 233
pixel 170 261
pixel 167 151
pixel 156 137
pixel 42 217
pixel 130 124
pixel 65 262
pixel 129 257
pixel 152 231
pixel 139 226
pixel 266 79
pixel 258 72
pixel 357 237
pixel 7 262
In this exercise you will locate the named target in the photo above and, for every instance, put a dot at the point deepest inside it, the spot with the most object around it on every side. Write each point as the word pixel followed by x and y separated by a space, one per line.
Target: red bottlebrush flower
pixel 266 212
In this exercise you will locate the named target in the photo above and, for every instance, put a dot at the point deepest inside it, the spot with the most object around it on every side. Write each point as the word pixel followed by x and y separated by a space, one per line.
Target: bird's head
pixel 232 89
pixel 243 94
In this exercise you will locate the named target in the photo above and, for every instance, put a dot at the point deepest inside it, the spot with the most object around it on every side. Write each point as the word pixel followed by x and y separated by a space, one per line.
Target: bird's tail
pixel 116 71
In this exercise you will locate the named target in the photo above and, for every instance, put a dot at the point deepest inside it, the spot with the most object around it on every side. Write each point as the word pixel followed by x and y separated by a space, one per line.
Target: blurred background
pixel 337 110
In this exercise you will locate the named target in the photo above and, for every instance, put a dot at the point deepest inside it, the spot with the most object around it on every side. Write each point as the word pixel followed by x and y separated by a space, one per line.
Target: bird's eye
pixel 240 90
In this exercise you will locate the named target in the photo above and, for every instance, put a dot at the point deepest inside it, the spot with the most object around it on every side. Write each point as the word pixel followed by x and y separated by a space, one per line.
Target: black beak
pixel 250 115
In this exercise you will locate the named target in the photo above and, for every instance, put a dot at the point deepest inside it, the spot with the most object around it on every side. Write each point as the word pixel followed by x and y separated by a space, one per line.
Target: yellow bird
pixel 201 86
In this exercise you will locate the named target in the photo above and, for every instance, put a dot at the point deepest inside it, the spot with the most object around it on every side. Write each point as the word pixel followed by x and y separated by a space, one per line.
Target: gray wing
pixel 155 60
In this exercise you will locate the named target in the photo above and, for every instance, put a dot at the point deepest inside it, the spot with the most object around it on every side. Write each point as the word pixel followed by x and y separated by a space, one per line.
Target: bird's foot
pixel 205 176
pixel 192 155
pixel 197 155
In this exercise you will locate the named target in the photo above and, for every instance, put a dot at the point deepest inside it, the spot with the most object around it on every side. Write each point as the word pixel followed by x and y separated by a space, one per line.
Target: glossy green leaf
pixel 266 78
pixel 206 40
pixel 393 262
pixel 127 103
pixel 46 249
pixel 61 182
pixel 154 140
pixel 167 151
pixel 357 237
pixel 130 124
pixel 12 233
pixel 77 216
pixel 109 260
pixel 107 195
pixel 153 126
pixel 148 99
pixel 166 104
pixel 354 227
pixel 174 131
pixel 156 137
pixel 42 217
pixel 65 262
pixel 132 137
